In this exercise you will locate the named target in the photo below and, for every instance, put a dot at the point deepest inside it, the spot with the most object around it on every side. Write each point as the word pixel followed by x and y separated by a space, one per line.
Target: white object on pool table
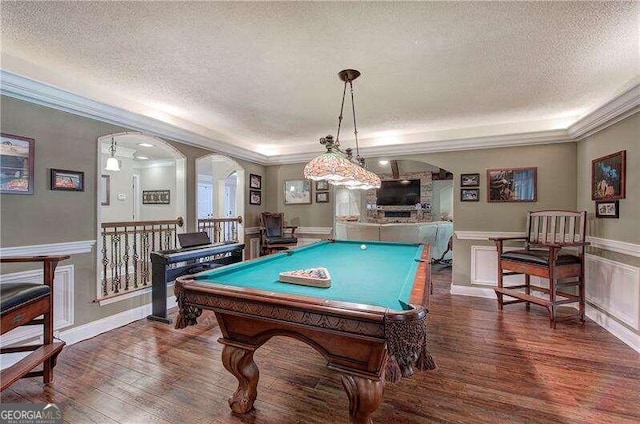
pixel 314 277
pixel 363 246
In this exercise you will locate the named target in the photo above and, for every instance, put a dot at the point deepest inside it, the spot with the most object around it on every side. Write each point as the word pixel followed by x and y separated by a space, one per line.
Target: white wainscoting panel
pixel 254 247
pixel 484 268
pixel 63 307
pixel 614 287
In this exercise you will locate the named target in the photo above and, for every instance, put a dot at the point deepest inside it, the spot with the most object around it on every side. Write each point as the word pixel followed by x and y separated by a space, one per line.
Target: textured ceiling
pixel 263 75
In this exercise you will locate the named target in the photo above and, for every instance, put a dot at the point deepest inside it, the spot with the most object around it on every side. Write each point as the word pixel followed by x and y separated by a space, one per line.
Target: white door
pixel 230 201
pixel 205 200
pixel 135 184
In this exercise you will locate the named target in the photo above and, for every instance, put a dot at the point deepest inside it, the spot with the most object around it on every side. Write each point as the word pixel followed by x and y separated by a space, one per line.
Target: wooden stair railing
pixel 220 229
pixel 125 250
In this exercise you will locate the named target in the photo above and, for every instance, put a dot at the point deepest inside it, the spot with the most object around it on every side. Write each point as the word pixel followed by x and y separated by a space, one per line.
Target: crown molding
pixel 475 143
pixel 615 110
pixel 23 88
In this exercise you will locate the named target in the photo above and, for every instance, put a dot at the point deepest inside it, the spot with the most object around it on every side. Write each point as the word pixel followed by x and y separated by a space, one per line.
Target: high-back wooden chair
pixel 21 303
pixel 554 248
pixel 274 233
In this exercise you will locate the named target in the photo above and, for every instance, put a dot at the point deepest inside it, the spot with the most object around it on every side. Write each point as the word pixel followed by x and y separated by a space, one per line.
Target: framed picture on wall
pixel 156 197
pixel 255 181
pixel 512 185
pixel 297 192
pixel 608 176
pixel 255 197
pixel 322 185
pixel 105 190
pixel 322 197
pixel 470 195
pixel 16 164
pixel 607 209
pixel 62 179
pixel 469 180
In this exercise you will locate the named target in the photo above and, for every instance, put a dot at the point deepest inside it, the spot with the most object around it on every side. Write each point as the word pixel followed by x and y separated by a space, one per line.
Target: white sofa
pixel 435 233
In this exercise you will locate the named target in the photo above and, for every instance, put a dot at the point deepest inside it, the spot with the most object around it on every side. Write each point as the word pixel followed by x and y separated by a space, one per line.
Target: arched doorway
pixel 219 189
pixel 141 206
pixel 147 164
pixel 414 204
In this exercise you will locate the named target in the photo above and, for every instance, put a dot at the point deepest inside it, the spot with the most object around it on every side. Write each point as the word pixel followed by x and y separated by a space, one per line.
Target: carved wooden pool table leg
pixel 365 395
pixel 239 362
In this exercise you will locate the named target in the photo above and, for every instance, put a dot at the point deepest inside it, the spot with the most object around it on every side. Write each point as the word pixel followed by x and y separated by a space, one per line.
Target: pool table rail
pixel 352 337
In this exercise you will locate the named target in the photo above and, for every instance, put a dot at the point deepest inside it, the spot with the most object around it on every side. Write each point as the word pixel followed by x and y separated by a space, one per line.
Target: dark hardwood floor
pixel 493 367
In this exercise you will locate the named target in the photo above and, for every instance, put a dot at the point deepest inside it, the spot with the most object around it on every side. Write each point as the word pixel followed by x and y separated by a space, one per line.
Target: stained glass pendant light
pixel 337 166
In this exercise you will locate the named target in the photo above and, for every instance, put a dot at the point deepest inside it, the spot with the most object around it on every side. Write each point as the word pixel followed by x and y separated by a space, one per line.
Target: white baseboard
pixel 614 327
pixel 473 291
pixel 92 329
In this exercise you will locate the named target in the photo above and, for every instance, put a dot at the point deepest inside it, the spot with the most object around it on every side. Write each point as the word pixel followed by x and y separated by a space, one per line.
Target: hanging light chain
pixel 344 92
pixel 112 149
pixel 355 126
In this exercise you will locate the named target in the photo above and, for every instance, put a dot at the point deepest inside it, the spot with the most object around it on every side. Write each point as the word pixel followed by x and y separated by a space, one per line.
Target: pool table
pixel 370 324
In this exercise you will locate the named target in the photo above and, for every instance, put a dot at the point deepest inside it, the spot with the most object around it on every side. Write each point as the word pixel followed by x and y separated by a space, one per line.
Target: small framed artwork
pixel 469 180
pixel 512 185
pixel 469 194
pixel 297 192
pixel 16 164
pixel 62 179
pixel 607 209
pixel 608 176
pixel 105 190
pixel 255 197
pixel 156 197
pixel 322 185
pixel 322 197
pixel 255 181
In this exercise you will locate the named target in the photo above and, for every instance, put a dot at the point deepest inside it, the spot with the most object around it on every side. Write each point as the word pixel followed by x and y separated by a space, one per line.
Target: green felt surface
pixel 381 275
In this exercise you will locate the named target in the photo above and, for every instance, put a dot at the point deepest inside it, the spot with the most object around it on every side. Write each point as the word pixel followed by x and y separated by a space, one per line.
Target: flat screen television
pixel 398 193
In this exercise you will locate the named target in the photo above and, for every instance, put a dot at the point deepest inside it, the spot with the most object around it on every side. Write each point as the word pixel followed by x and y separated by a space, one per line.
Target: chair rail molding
pixel 66 248
pixel 615 246
pixel 315 230
pixel 251 230
pixel 486 235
